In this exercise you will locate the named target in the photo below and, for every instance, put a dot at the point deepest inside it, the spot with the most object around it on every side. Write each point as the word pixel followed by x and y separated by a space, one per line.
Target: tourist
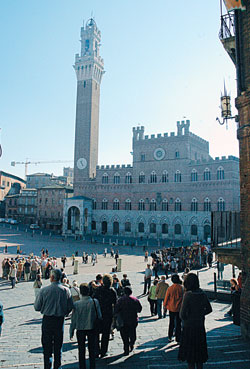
pixel 83 318
pixel 239 280
pixel 107 298
pixel 128 307
pixel 95 284
pixel 172 303
pixel 75 292
pixel 117 286
pixel 37 284
pixel 116 256
pixel 161 290
pixel 147 279
pixel 235 310
pixel 54 302
pixel 146 257
pixel 13 273
pixel 195 305
pixel 27 268
pixel 125 281
pixel 152 299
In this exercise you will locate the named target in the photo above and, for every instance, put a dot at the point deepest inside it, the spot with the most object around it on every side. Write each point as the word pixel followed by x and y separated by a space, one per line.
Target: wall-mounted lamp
pixel 225 105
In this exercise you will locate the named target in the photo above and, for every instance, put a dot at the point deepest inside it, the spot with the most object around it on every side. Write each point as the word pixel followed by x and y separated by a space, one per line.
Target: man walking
pixel 161 290
pixel 147 279
pixel 172 302
pixel 54 302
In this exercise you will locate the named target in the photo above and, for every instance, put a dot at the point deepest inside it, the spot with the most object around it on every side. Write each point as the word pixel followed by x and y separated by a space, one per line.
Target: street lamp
pixel 225 105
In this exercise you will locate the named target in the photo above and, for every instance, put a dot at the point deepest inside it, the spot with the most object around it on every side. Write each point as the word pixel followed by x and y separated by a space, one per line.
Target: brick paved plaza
pixel 21 337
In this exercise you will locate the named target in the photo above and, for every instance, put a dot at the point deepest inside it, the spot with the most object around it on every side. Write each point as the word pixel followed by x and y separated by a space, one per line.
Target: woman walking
pixel 13 272
pixel 37 284
pixel 84 315
pixel 152 299
pixel 195 305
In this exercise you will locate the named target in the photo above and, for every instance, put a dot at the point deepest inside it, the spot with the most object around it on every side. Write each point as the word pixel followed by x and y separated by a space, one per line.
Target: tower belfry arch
pixel 89 68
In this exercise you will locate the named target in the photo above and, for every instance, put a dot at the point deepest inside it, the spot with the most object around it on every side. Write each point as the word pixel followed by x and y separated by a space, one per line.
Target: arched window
pixel 164 228
pixel 207 204
pixel 141 177
pixel 93 225
pixel 117 178
pixel 194 204
pixel 105 178
pixel 116 204
pixel 128 204
pixel 152 205
pixel 141 227
pixel 194 176
pixel 220 173
pixel 177 154
pixel 177 176
pixel 104 204
pixel 177 205
pixel 127 227
pixel 153 177
pixel 152 228
pixel 207 175
pixel 177 229
pixel 164 177
pixel 164 205
pixel 94 204
pixel 194 230
pixel 141 205
pixel 221 204
pixel 128 178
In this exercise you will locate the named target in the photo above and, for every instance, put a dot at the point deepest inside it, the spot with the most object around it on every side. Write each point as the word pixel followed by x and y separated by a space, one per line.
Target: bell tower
pixel 89 68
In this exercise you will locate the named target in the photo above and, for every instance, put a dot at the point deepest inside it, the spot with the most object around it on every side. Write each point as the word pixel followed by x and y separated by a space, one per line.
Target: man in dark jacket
pixel 107 298
pixel 128 306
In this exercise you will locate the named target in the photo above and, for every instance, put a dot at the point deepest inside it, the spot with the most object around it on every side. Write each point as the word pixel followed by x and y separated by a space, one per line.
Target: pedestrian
pixel 128 307
pixel 116 257
pixel 27 268
pixel 6 249
pixel 84 315
pixel 73 259
pixel 152 299
pixel 195 305
pixel 235 311
pixel 54 302
pixel 13 273
pixel 220 267
pixel 161 290
pixel 107 298
pixel 125 281
pixel 63 260
pixel 37 284
pixel 19 270
pixel 75 291
pixel 147 279
pixel 146 257
pixel 1 317
pixel 172 303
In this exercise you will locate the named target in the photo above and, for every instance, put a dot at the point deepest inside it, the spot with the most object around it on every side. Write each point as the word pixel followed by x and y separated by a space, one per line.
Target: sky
pixel 163 61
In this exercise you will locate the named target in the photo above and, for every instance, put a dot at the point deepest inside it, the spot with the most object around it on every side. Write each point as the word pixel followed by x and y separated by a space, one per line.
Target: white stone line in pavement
pixel 236 352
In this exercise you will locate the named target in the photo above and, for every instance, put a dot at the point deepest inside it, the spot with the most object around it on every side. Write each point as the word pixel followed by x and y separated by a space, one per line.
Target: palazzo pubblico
pixel 169 190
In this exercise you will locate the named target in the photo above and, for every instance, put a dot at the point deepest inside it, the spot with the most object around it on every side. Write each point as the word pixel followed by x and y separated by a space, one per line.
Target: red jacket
pixel 173 298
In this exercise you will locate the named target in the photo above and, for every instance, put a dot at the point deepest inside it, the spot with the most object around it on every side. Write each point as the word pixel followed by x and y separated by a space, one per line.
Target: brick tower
pixel 89 69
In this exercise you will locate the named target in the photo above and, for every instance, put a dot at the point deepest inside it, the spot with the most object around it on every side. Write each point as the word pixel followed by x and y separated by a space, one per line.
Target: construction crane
pixel 27 162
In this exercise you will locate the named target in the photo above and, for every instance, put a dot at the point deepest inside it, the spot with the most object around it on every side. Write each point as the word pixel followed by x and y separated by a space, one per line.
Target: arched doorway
pixel 141 227
pixel 104 227
pixel 73 219
pixel 207 231
pixel 115 228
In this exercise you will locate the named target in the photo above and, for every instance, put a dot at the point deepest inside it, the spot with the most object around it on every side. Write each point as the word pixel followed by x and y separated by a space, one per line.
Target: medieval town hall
pixel 167 193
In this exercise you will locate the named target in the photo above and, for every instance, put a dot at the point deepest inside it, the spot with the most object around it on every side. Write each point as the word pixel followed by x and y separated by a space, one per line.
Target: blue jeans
pixel 159 304
pixel 52 340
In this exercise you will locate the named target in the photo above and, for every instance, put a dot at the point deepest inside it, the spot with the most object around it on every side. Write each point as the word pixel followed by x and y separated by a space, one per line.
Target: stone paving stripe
pixel 235 352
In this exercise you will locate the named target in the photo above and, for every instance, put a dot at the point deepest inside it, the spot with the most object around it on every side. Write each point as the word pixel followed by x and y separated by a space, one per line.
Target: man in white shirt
pixel 147 279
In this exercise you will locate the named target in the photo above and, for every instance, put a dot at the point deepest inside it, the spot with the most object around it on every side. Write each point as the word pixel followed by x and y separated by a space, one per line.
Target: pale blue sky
pixel 163 60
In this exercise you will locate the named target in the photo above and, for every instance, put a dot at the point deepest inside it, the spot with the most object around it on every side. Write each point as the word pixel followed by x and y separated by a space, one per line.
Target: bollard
pixel 41 233
pixel 117 242
pixel 76 265
pixel 103 240
pixel 110 241
pixel 119 265
pixel 123 243
pixel 136 243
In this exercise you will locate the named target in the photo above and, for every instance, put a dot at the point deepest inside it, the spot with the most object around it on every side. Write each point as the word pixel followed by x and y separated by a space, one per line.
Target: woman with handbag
pixel 85 314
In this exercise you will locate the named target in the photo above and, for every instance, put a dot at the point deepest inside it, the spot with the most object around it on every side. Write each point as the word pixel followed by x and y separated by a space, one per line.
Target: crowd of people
pixel 106 303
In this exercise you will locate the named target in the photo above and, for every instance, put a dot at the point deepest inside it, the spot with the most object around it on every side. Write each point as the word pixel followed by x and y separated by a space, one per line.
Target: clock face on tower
pixel 81 163
pixel 159 154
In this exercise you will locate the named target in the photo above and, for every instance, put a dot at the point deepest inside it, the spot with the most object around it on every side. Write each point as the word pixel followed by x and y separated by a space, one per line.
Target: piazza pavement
pixel 20 343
